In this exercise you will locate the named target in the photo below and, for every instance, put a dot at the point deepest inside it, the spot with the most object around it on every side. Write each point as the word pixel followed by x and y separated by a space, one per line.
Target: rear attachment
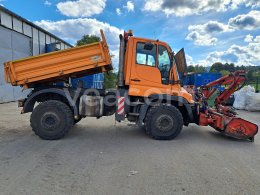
pixel 231 126
pixel 241 129
pixel 223 118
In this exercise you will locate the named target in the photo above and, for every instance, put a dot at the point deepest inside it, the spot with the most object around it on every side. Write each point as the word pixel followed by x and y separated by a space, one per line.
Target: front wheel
pixel 51 120
pixel 163 122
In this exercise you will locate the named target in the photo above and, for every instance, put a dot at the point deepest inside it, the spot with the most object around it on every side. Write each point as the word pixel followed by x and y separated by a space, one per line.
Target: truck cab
pixel 150 78
pixel 150 67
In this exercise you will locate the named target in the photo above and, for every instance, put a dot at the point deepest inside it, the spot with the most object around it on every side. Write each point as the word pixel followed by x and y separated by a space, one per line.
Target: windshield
pixel 164 64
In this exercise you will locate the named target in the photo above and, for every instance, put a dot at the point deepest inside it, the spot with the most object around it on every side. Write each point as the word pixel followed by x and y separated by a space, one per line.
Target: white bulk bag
pixel 241 97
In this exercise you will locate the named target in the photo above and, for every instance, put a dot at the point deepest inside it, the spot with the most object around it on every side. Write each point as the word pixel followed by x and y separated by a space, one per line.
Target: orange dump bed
pixel 73 62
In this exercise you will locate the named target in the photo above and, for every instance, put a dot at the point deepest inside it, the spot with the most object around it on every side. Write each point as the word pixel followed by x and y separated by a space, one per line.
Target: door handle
pixel 136 80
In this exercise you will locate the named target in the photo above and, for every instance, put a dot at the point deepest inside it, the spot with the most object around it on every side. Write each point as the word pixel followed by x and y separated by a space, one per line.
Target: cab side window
pixel 144 56
pixel 164 63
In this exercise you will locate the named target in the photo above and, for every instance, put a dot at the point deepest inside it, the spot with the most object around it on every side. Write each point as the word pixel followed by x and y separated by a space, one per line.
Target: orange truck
pixel 149 90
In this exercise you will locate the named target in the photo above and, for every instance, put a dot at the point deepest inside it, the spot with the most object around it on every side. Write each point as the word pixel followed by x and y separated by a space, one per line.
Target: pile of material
pixel 247 99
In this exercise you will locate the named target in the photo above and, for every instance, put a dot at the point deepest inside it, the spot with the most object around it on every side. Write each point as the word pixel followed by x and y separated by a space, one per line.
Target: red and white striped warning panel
pixel 121 105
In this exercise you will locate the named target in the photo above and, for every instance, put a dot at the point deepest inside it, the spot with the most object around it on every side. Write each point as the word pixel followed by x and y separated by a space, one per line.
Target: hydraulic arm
pixel 223 118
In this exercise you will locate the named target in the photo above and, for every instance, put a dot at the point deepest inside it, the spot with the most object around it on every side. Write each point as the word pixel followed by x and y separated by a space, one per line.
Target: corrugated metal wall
pixel 13 45
pixel 20 38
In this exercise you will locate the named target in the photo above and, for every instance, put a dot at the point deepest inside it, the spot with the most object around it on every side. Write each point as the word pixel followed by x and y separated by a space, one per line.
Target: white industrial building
pixel 20 38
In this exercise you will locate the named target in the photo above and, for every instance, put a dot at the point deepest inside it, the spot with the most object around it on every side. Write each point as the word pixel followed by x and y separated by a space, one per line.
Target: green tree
pixel 241 67
pixel 87 39
pixel 110 80
pixel 217 67
pixel 110 77
pixel 199 69
pixel 224 72
pixel 250 75
pixel 229 67
pixel 190 68
pixel 196 69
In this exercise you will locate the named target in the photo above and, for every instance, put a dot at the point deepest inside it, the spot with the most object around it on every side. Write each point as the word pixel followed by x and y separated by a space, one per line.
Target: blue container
pixel 95 81
pixel 200 79
pixel 51 47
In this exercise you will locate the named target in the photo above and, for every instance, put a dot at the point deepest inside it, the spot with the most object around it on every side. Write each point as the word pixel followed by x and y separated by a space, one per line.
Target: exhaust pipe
pixel 121 61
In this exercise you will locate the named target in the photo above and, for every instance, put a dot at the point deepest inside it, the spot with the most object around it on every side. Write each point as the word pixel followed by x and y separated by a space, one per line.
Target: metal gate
pixel 13 46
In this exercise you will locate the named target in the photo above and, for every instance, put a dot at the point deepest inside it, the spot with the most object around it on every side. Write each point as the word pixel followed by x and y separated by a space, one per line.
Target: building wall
pixel 13 45
pixel 18 39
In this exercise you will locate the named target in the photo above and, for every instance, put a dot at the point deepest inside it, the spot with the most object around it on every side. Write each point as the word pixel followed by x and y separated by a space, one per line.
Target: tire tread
pixel 58 105
pixel 148 121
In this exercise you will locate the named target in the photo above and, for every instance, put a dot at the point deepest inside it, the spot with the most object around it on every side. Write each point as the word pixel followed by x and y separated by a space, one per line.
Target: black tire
pixel 51 120
pixel 163 122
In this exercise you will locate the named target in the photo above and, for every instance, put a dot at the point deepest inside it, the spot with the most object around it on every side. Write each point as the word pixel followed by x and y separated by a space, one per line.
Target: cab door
pixel 147 73
pixel 181 64
pixel 150 72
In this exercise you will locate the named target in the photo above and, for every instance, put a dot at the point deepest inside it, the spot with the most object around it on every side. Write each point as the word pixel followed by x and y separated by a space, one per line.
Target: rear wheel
pixel 51 120
pixel 163 122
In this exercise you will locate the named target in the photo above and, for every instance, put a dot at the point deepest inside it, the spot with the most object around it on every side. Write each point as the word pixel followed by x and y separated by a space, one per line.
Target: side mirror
pixel 148 46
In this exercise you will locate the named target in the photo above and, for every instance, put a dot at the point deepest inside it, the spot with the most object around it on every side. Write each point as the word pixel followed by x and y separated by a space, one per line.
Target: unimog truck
pixel 149 90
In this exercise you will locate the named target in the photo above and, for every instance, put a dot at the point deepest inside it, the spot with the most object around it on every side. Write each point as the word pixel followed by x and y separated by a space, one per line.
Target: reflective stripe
pixel 121 105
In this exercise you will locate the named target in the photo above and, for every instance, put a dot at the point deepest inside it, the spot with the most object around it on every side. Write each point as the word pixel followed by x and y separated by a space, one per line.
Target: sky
pixel 226 31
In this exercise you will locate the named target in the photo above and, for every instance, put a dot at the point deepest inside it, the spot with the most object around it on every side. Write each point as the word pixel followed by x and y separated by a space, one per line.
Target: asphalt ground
pixel 101 157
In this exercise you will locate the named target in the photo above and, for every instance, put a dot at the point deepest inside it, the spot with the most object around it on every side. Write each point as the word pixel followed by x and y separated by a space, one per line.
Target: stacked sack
pixel 247 99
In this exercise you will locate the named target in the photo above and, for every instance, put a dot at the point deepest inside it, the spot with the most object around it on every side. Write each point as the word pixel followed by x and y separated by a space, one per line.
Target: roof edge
pixel 32 24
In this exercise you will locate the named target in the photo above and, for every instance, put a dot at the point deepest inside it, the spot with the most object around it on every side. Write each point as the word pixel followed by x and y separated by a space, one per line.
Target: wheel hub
pixel 164 123
pixel 50 121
